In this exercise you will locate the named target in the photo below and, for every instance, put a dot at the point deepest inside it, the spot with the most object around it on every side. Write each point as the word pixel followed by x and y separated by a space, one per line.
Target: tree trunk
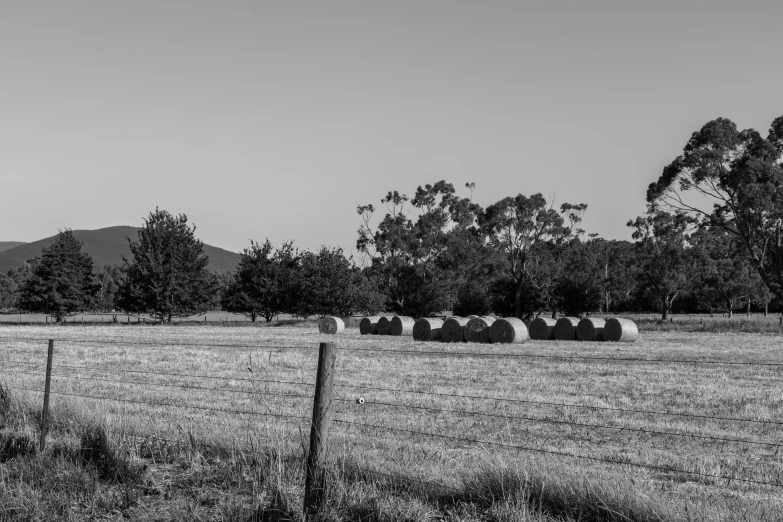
pixel 766 309
pixel 747 308
pixel 518 299
pixel 665 313
pixel 554 313
pixel 731 312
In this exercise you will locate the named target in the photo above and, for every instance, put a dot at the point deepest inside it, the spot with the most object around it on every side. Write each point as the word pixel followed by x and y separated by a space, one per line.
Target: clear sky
pixel 276 119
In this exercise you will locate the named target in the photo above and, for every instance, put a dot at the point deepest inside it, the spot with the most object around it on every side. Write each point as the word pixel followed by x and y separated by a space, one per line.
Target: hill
pixel 107 246
pixel 8 245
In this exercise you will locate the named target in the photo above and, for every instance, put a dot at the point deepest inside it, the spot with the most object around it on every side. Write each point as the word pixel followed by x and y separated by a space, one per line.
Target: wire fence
pixel 366 420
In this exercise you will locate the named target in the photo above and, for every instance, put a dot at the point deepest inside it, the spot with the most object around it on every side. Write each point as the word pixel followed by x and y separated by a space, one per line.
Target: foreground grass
pixel 433 478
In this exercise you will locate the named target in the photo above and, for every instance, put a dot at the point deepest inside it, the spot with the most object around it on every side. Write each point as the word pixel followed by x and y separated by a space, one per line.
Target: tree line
pixel 435 251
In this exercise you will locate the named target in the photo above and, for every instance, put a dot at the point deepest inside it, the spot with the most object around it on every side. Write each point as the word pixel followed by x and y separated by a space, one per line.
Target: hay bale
pixel 401 325
pixel 427 329
pixel 477 330
pixel 453 330
pixel 508 330
pixel 384 323
pixel 369 325
pixel 590 329
pixel 620 330
pixel 331 325
pixel 542 328
pixel 565 328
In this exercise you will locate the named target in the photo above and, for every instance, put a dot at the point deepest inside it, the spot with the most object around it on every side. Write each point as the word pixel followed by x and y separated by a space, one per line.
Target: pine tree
pixel 61 281
pixel 168 275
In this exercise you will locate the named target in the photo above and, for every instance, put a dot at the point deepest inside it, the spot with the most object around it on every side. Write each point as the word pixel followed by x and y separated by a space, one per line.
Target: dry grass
pixel 482 481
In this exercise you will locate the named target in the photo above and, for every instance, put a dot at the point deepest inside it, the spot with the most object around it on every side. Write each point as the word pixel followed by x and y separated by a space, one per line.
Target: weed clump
pixel 96 450
pixel 13 446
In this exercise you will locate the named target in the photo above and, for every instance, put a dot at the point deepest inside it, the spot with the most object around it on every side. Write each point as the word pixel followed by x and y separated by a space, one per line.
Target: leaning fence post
pixel 319 430
pixel 45 411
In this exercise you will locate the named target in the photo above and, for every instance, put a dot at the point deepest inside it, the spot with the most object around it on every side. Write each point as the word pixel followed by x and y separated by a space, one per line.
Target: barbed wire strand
pixel 572 423
pixel 168 385
pixel 561 404
pixel 169 405
pixel 562 357
pixel 400 390
pixel 558 453
pixel 441 410
pixel 265 344
pixel 166 374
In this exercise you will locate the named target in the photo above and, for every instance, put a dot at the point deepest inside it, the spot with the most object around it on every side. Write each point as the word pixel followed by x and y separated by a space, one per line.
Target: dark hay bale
pixel 542 329
pixel 453 330
pixel 427 329
pixel 384 323
pixel 369 325
pixel 477 330
pixel 401 325
pixel 565 328
pixel 508 330
pixel 590 329
pixel 620 330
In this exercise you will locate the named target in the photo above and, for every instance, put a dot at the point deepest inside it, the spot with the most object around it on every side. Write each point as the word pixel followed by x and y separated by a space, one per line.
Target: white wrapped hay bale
pixel 508 330
pixel 590 329
pixel 620 330
pixel 453 330
pixel 543 329
pixel 477 330
pixel 401 325
pixel 331 325
pixel 369 325
pixel 384 323
pixel 427 329
pixel 565 328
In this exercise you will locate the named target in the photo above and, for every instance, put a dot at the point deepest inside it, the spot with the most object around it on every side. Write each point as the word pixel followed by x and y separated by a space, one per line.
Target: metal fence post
pixel 319 430
pixel 45 411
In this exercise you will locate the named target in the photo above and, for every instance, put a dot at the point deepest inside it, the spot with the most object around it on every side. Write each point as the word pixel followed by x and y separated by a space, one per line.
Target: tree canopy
pixel 167 275
pixel 61 282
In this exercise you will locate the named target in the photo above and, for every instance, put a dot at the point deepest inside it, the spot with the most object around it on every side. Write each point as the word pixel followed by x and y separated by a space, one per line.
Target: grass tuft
pixel 96 450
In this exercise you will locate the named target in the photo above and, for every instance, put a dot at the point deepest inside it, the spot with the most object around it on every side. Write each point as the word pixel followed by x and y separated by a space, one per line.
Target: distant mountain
pixel 8 245
pixel 107 246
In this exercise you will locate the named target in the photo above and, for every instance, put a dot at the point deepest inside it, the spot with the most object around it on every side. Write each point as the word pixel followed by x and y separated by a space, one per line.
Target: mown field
pixel 218 418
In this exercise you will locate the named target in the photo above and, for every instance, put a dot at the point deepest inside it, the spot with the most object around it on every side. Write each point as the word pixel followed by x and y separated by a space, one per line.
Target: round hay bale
pixel 427 329
pixel 508 330
pixel 453 330
pixel 401 325
pixel 477 330
pixel 542 328
pixel 331 325
pixel 384 323
pixel 565 328
pixel 369 325
pixel 620 330
pixel 590 329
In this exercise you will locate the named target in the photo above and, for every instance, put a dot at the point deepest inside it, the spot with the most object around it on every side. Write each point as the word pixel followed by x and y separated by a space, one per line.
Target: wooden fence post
pixel 45 411
pixel 319 430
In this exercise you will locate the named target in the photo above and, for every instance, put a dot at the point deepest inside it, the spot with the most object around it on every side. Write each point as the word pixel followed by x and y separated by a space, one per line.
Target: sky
pixel 277 119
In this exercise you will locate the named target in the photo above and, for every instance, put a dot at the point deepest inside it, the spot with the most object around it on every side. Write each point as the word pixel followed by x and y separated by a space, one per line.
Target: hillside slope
pixel 8 245
pixel 107 246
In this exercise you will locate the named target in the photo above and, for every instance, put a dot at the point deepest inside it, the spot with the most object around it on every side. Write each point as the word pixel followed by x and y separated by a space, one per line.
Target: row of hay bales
pixel 615 329
pixel 486 329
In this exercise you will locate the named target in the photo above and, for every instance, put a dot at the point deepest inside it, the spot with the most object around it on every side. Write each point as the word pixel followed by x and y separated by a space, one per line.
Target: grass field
pixel 459 453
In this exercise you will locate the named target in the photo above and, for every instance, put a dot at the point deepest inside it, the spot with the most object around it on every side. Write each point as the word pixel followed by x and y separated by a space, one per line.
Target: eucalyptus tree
pixel 740 174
